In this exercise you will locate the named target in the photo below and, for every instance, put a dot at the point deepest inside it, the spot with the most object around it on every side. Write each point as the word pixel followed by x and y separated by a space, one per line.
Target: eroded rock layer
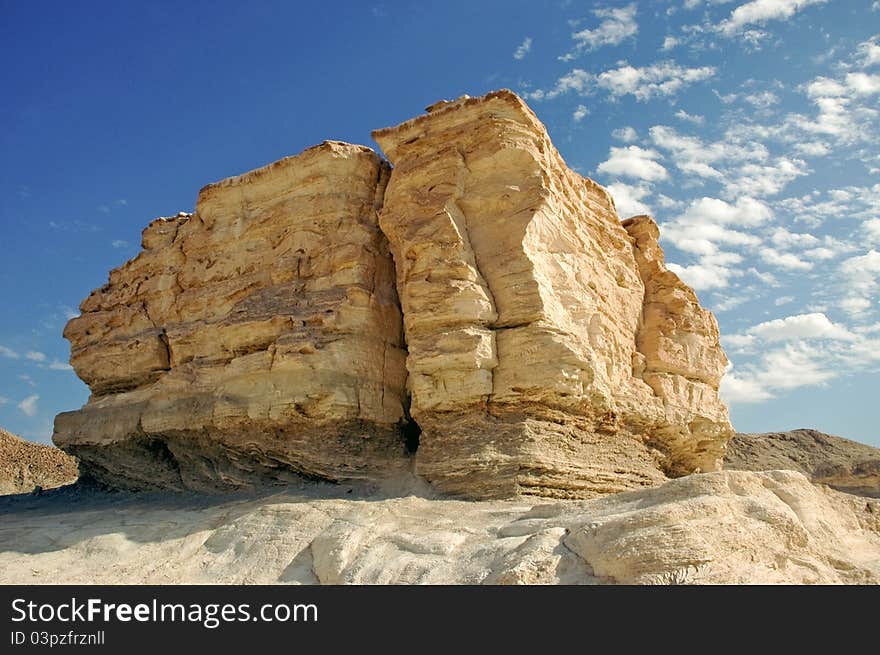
pixel 259 338
pixel 547 349
pixel 550 351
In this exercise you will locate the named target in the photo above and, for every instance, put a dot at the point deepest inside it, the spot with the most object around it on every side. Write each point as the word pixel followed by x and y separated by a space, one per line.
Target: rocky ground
pixel 723 527
pixel 25 465
pixel 840 463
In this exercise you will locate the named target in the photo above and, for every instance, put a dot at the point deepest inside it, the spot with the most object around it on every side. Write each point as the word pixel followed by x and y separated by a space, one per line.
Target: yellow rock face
pixel 256 339
pixel 550 351
pixel 547 349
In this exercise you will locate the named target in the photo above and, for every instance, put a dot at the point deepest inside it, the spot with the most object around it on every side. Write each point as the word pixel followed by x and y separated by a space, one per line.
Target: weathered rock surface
pixel 258 338
pixel 721 527
pixel 549 350
pixel 840 463
pixel 25 466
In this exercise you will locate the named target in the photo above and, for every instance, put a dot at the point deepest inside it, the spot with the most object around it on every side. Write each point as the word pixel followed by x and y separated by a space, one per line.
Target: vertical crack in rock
pixel 459 217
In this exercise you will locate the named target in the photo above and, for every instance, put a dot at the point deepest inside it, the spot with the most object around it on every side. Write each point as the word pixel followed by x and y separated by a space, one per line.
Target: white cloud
pixel 785 239
pixel 735 390
pixel 669 43
pixel 745 211
pixel 784 260
pixel 743 167
pixel 708 222
pixel 663 78
pixel 783 300
pixel 726 304
pixel 625 134
pixel 28 406
pixel 812 148
pixel 765 179
pixel 693 4
pixel 8 352
pixel 696 119
pixel 57 365
pixel 635 162
pixel 801 326
pixel 860 275
pixel 523 49
pixel 869 51
pixel 761 11
pixel 119 243
pixel 792 366
pixel 863 83
pixel 855 305
pixel 871 229
pixel 4 401
pixel 762 99
pixel 35 356
pixel 628 198
pixel 617 25
pixel 580 113
pixel 709 273
pixel 577 80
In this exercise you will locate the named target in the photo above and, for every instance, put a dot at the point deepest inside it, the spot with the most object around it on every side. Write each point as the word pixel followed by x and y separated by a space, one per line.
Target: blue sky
pixel 749 129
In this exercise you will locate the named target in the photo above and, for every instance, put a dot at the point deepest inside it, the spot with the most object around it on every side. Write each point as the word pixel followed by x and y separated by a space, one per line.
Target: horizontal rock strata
pixel 256 339
pixel 550 351
pixel 539 344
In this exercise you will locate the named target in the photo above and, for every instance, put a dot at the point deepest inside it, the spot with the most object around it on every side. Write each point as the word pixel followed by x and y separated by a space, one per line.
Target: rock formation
pixel 840 463
pixel 538 343
pixel 550 351
pixel 726 527
pixel 257 339
pixel 24 466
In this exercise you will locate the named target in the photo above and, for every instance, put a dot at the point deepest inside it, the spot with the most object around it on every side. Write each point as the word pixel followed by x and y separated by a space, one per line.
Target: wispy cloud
pixel 57 365
pixel 523 49
pixel 661 79
pixel 617 24
pixel 35 356
pixel 119 243
pixel 8 352
pixel 759 12
pixel 696 119
pixel 28 406
pixel 580 113
pixel 634 162
pixel 795 351
pixel 628 198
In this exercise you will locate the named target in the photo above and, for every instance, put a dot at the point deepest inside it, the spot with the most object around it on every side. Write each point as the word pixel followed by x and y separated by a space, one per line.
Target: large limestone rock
pixel 550 351
pixel 840 463
pixel 547 349
pixel 256 339
pixel 726 527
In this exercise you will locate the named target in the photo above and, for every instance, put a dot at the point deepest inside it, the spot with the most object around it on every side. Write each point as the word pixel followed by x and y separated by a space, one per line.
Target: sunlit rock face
pixel 257 339
pixel 312 316
pixel 550 351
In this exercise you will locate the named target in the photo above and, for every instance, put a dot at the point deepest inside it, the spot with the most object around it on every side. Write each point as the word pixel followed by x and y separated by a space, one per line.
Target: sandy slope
pixel 25 465
pixel 840 463
pixel 728 527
